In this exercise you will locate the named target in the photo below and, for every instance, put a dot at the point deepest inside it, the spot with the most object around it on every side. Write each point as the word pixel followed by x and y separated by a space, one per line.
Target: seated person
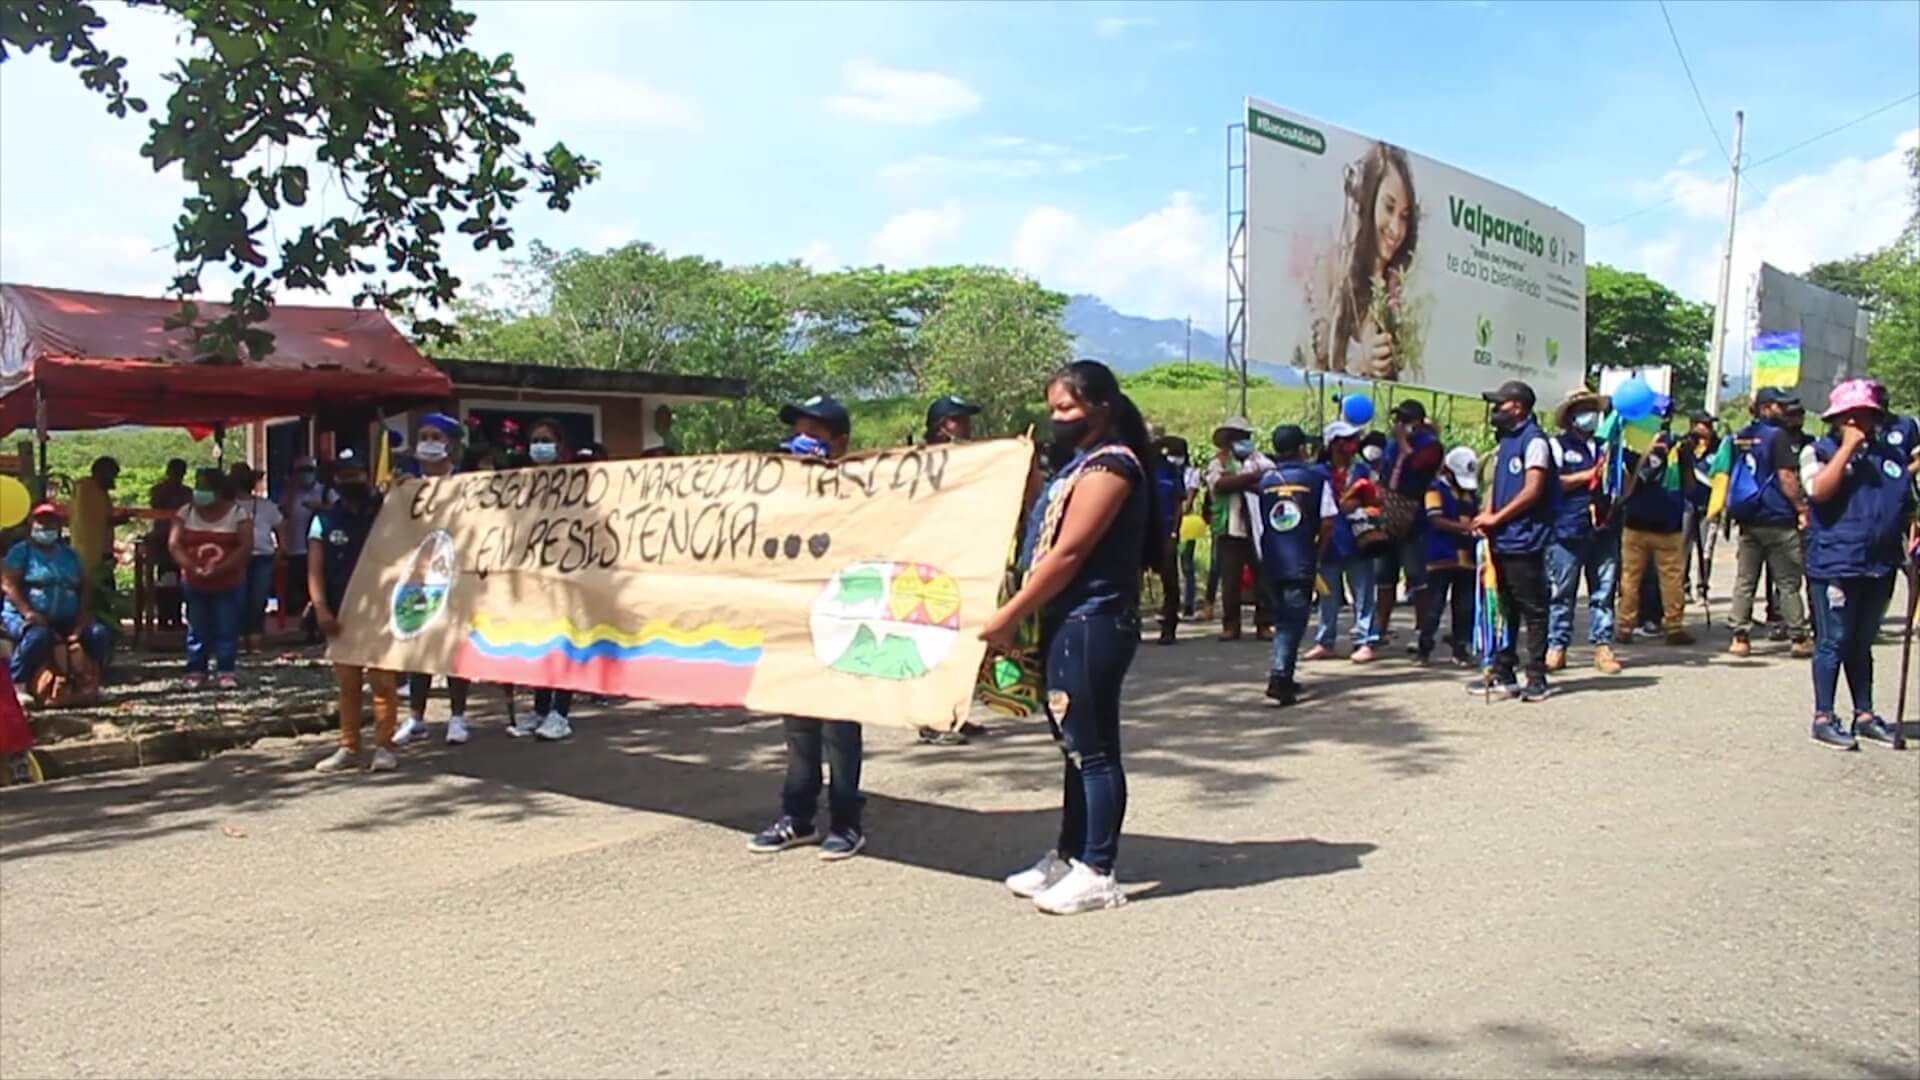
pixel 47 597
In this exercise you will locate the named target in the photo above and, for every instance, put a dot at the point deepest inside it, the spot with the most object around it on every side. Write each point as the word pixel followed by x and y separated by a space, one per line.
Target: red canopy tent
pixel 97 360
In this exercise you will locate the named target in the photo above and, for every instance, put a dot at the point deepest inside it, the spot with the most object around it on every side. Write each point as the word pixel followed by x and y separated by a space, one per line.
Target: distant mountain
pixel 1129 343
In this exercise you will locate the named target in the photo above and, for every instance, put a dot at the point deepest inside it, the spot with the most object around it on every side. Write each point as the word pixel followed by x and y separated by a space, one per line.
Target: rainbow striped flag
pixel 1491 630
pixel 1776 359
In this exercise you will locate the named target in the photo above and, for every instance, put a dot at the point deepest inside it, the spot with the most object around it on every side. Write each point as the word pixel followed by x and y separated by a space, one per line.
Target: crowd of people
pixel 1346 521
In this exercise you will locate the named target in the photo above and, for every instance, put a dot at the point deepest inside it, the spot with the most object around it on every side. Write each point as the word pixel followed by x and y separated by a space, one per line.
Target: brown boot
pixel 1605 661
pixel 1803 649
pixel 1679 637
pixel 1741 646
pixel 1556 659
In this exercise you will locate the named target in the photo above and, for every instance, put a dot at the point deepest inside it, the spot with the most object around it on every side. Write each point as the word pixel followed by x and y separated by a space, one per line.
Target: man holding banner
pixel 821 428
pixel 1518 521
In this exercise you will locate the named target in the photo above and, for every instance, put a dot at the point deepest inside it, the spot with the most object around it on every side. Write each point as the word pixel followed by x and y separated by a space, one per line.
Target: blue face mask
pixel 1243 449
pixel 806 446
pixel 46 537
pixel 543 452
pixel 1586 422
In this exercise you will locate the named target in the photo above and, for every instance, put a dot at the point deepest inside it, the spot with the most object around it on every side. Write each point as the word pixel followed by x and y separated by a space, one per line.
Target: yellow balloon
pixel 14 502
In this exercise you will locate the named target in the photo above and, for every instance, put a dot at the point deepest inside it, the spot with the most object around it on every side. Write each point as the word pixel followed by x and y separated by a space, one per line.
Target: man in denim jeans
pixel 821 426
pixel 1581 546
pixel 1297 512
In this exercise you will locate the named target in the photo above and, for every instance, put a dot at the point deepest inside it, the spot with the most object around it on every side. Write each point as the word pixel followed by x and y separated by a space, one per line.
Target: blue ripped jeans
pixel 1846 616
pixel 1087 661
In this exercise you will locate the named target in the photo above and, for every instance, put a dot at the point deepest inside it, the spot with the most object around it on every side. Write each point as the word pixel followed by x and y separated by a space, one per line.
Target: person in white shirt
pixel 268 524
pixel 1233 549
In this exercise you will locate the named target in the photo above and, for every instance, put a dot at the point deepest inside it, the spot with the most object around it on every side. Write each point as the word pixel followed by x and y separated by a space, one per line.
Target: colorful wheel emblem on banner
pixel 885 620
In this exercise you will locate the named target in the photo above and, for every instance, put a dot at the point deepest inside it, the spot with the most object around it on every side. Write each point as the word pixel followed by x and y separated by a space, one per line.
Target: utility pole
pixel 1726 273
pixel 1189 339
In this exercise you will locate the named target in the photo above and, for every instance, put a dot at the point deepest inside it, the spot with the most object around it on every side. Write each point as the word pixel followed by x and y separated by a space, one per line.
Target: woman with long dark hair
pixel 1088 537
pixel 550 719
pixel 1367 298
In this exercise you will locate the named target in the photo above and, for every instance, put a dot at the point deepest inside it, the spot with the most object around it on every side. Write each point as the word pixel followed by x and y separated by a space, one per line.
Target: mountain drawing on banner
pixel 894 657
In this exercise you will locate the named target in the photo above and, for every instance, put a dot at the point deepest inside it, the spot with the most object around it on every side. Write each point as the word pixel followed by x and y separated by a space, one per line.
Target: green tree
pixel 1634 321
pixel 419 131
pixel 993 340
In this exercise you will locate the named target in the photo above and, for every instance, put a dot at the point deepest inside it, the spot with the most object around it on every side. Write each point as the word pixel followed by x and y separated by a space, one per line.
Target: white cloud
pixel 1014 158
pixel 1129 129
pixel 1165 264
pixel 911 238
pixel 1114 26
pixel 896 96
pixel 820 256
pixel 618 102
pixel 1852 205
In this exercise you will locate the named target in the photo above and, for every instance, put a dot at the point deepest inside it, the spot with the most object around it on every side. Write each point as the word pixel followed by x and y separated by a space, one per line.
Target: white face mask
pixel 1371 453
pixel 431 451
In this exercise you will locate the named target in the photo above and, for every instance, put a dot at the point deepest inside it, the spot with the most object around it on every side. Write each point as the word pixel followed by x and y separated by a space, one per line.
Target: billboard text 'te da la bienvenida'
pixel 1367 261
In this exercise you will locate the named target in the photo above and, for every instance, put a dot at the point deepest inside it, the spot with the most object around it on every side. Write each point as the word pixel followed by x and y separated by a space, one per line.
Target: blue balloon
pixel 1356 409
pixel 1633 399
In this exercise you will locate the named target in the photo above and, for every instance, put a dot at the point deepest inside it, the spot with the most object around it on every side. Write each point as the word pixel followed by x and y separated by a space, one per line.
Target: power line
pixel 1688 68
pixel 1770 158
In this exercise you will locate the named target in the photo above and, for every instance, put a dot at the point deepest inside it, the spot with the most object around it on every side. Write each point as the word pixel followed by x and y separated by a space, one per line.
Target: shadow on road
pixel 1195 716
pixel 1712 1049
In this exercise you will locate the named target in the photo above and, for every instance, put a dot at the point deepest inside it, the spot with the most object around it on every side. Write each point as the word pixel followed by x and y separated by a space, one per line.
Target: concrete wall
pixel 1833 331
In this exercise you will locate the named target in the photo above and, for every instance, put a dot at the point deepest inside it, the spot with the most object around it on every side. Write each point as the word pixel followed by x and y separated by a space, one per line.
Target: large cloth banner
pixel 847 590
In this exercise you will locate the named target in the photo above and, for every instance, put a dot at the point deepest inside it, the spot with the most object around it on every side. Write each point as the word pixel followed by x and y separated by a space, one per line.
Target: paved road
pixel 1651 874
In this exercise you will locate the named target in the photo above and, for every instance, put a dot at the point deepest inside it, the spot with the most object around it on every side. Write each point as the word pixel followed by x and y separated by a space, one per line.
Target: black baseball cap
pixel 1703 417
pixel 348 457
pixel 947 405
pixel 822 408
pixel 1288 439
pixel 1776 395
pixel 1410 411
pixel 1511 390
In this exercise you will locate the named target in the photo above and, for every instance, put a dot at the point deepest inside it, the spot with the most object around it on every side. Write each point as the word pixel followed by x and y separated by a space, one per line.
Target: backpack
pixel 1745 484
pixel 70 678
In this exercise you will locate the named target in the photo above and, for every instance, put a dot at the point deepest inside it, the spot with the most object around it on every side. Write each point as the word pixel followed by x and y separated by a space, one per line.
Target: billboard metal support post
pixel 1726 272
pixel 1236 341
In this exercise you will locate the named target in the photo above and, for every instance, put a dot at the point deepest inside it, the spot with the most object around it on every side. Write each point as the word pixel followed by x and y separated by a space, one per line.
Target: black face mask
pixel 1503 420
pixel 1069 434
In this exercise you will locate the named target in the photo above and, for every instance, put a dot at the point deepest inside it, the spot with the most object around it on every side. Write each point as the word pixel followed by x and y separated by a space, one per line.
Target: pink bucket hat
pixel 1855 394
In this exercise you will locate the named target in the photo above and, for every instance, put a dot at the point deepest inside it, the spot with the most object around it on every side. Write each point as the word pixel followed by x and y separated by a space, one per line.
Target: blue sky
pixel 1083 143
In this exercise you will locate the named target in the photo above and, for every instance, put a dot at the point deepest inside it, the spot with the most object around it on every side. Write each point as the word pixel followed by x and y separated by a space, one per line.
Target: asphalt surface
pixel 1651 874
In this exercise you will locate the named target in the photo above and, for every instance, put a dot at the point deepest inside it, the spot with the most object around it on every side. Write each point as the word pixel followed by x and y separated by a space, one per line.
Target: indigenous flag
pixel 1491 631
pixel 1612 478
pixel 1776 359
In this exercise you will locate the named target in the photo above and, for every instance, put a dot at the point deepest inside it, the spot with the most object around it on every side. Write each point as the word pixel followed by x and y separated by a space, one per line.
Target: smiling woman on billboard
pixel 1373 332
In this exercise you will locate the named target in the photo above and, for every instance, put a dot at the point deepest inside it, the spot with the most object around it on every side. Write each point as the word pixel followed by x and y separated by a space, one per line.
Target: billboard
pixel 1365 260
pixel 1805 338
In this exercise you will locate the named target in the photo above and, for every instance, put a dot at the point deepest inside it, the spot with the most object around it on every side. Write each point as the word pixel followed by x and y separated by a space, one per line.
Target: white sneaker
pixel 456 731
pixel 1083 889
pixel 553 728
pixel 413 727
pixel 1039 877
pixel 340 760
pixel 382 760
pixel 524 726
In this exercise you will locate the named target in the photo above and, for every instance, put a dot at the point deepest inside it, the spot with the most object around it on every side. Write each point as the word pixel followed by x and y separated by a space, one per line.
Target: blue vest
pixel 1757 439
pixel 1527 534
pixel 1573 510
pixel 1858 533
pixel 343 535
pixel 1342 545
pixel 1170 489
pixel 1651 507
pixel 1445 548
pixel 1411 482
pixel 1290 497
